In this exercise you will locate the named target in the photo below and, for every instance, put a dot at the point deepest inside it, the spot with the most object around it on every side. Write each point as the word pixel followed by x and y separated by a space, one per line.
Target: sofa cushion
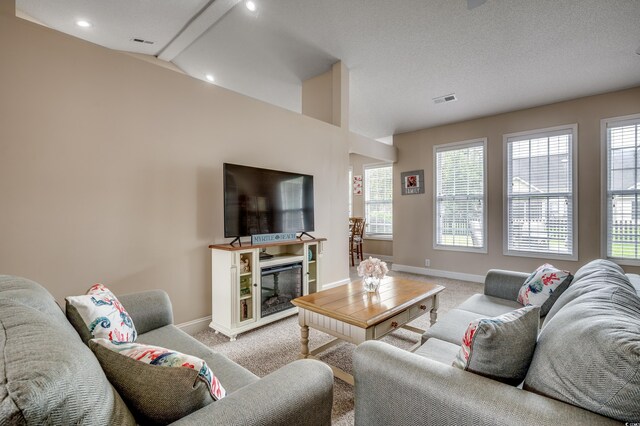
pixel 452 326
pixel 588 352
pixel 47 375
pixel 543 287
pixel 438 350
pixel 501 347
pixel 634 279
pixel 102 315
pixel 588 280
pixel 596 266
pixel 488 305
pixel 156 394
pixel 232 375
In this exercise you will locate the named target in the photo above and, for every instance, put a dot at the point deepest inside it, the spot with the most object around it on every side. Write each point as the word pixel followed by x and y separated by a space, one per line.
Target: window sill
pixel 624 262
pixel 481 250
pixel 379 237
pixel 541 255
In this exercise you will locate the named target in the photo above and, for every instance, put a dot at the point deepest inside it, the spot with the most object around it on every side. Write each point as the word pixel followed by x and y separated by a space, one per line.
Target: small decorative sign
pixel 412 182
pixel 272 238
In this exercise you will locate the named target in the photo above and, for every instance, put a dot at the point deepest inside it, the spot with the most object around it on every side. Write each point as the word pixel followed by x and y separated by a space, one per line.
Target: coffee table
pixel 351 314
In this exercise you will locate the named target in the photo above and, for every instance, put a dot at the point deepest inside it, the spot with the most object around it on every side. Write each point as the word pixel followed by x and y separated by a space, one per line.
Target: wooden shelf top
pixel 352 304
pixel 248 246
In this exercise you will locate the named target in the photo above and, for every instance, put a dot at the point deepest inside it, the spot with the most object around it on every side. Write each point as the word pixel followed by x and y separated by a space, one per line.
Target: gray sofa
pixel 586 361
pixel 49 376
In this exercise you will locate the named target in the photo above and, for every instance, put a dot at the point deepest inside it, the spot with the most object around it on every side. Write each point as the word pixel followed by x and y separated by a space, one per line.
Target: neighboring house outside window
pixel 460 196
pixel 621 164
pixel 378 200
pixel 540 217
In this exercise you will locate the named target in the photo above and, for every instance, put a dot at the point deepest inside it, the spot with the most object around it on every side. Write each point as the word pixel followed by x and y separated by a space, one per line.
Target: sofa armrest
pixel 299 393
pixel 396 387
pixel 148 309
pixel 504 284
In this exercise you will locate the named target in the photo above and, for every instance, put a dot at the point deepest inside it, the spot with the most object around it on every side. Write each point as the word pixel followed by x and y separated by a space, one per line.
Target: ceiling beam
pixel 194 29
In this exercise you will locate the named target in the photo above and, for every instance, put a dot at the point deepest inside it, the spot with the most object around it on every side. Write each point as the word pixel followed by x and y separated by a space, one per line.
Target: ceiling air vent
pixel 446 98
pixel 139 40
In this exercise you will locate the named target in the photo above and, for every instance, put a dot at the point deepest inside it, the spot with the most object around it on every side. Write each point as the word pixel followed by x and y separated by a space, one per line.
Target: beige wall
pixel 317 97
pixel 369 246
pixel 413 216
pixel 111 168
pixel 326 96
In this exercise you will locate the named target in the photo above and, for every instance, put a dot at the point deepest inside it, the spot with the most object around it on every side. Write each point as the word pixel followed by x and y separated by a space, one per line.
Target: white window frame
pixel 450 147
pixel 604 213
pixel 368 235
pixel 530 134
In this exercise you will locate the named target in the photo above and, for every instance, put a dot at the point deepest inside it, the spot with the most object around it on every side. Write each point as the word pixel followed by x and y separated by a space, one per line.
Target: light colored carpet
pixel 268 348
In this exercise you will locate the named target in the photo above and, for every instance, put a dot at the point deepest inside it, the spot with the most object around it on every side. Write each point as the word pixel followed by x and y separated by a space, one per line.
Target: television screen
pixel 262 201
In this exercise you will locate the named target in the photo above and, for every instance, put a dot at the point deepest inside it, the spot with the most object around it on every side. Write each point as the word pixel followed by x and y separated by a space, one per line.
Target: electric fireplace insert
pixel 279 285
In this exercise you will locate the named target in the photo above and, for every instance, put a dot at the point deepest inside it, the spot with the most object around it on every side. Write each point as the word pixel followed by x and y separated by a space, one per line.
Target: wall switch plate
pixel 427 262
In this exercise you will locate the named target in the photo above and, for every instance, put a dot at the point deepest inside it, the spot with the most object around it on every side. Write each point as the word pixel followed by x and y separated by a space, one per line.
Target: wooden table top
pixel 352 304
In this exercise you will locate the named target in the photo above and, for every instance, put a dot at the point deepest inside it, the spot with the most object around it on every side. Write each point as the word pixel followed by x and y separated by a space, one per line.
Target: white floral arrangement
pixel 372 267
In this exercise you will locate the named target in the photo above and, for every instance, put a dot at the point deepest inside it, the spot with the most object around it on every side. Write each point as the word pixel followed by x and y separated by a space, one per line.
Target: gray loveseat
pixel 586 361
pixel 49 376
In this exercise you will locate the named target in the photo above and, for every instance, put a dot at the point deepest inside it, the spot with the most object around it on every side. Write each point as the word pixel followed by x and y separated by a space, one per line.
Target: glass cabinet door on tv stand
pixel 245 286
pixel 239 299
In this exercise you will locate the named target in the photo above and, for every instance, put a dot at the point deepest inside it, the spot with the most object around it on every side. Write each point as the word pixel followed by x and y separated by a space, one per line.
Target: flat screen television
pixel 263 201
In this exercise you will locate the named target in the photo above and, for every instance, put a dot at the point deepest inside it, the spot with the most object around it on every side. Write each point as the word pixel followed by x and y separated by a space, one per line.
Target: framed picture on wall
pixel 412 182
pixel 357 185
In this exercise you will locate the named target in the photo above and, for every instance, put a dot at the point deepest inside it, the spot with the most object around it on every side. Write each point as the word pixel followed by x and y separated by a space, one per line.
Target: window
pixel 621 138
pixel 378 192
pixel 540 193
pixel 460 204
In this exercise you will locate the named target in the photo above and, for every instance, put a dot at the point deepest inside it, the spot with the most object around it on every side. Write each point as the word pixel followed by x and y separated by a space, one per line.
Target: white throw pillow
pixel 103 315
pixel 543 287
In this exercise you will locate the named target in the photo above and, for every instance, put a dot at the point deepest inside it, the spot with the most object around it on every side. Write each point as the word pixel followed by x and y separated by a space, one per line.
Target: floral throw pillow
pixel 502 347
pixel 103 315
pixel 543 287
pixel 161 357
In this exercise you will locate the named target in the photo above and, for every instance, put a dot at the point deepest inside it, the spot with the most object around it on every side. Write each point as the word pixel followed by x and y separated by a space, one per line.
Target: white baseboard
pixel 438 273
pixel 335 284
pixel 194 326
pixel 379 256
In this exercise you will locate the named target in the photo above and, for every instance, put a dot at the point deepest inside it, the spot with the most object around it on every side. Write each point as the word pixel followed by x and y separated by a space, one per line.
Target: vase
pixel 370 283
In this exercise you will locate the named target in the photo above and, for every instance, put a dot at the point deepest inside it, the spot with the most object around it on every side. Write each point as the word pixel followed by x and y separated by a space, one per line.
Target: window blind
pixel 378 199
pixel 460 195
pixel 540 193
pixel 623 189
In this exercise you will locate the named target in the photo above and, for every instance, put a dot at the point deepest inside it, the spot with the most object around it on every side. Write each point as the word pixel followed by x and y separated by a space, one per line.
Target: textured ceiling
pixel 500 56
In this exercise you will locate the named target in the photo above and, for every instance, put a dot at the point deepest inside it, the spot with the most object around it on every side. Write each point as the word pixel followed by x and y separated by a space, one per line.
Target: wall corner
pixel 340 86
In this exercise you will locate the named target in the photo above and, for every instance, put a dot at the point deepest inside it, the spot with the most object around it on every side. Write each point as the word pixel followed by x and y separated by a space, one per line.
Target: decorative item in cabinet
pixel 245 285
pixel 246 311
pixel 245 263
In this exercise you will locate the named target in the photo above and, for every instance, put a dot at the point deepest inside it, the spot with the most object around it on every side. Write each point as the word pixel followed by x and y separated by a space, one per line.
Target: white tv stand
pixel 236 281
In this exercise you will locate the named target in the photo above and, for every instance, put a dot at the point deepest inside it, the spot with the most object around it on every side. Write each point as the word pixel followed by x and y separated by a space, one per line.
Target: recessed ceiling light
pixel 251 5
pixel 83 23
pixel 210 78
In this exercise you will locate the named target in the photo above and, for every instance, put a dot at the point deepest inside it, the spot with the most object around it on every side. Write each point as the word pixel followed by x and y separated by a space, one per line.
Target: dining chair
pixel 356 234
